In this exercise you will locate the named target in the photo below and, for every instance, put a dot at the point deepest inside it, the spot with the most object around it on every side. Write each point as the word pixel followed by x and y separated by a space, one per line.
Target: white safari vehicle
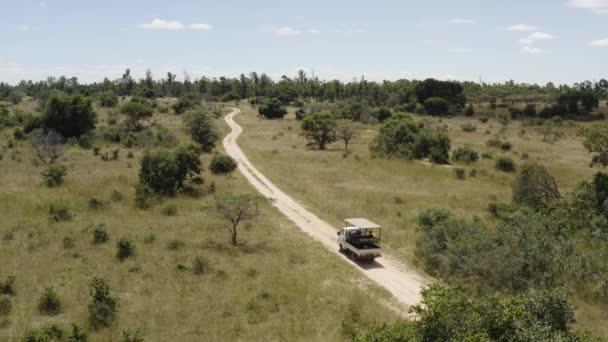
pixel 360 238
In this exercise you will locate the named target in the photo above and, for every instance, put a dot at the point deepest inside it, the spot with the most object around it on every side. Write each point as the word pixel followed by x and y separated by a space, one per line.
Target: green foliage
pixel 535 187
pixel 188 163
pixel 102 306
pixel 349 326
pixel 436 106
pixel 465 154
pixel 319 129
pixel 451 91
pixel 505 164
pixel 159 171
pixel 59 213
pixel 50 332
pixel 100 234
pixel 460 173
pixel 136 114
pixel 382 113
pixel 200 126
pixel 145 196
pixel 300 114
pixel 125 248
pixel 70 115
pixel 108 99
pixel 468 127
pixel 596 142
pixel 78 334
pixel 53 175
pixel 16 96
pixel 185 103
pixel 49 303
pixel 234 208
pixel 505 146
pixel 6 305
pixel 222 164
pixel 400 136
pixel 272 109
pixel 7 287
pixel 132 336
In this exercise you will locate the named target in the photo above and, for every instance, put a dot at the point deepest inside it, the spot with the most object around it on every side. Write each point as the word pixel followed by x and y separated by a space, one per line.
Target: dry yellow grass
pixel 392 192
pixel 279 285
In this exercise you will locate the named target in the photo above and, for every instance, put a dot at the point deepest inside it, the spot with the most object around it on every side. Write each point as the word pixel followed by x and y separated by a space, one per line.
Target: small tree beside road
pixel 234 208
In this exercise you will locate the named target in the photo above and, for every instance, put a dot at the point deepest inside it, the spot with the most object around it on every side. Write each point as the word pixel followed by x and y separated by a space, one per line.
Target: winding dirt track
pixel 404 284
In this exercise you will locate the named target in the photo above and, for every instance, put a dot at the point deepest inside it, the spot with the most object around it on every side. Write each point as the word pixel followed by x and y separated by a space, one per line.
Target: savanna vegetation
pixel 135 226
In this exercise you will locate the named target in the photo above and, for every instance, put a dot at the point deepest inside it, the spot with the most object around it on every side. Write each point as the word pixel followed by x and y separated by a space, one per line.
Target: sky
pixel 540 41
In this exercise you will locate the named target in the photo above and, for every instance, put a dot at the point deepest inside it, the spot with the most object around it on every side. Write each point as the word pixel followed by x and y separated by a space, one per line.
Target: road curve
pixel 404 284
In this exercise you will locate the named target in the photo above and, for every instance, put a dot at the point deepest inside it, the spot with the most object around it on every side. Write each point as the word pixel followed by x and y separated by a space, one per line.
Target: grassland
pixel 277 285
pixel 336 184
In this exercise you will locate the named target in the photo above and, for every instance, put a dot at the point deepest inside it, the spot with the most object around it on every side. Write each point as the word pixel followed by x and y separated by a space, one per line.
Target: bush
pixel 145 197
pixel 86 141
pixel 159 172
pixel 460 173
pixel 136 114
pixel 49 303
pixel 131 336
pixel 505 164
pixel 58 213
pixel 200 265
pixel 7 287
pixel 505 146
pixel 117 196
pixel 102 307
pixel 535 187
pixel 78 334
pixel 125 248
pixel 465 154
pixel 483 119
pixel 18 134
pixel 108 99
pixel 468 127
pixel 70 115
pixel 53 175
pixel 300 114
pixel 185 103
pixel 6 305
pixel 436 106
pixel 272 109
pixel 222 164
pixel 487 155
pixel 200 126
pixel 15 96
pixel 100 233
pixel 50 332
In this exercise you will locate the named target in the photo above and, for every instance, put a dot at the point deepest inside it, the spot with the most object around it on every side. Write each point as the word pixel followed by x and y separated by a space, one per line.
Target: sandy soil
pixel 402 282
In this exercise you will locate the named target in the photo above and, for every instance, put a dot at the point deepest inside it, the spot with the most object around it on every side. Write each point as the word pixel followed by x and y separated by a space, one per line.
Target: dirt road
pixel 404 284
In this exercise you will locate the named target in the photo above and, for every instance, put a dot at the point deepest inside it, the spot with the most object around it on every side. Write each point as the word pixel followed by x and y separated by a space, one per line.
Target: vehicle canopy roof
pixel 361 223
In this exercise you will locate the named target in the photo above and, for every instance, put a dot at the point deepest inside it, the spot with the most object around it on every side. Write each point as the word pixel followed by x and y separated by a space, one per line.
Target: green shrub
pixel 86 141
pixel 125 248
pixel 300 114
pixel 78 334
pixel 49 303
pixel 108 99
pixel 436 106
pixel 53 175
pixel 7 287
pixel 468 127
pixel 184 103
pixel 70 115
pixel 505 146
pixel 50 332
pixel 487 155
pixel 18 134
pixel 59 213
pixel 460 173
pixel 200 126
pixel 465 154
pixel 200 265
pixel 505 164
pixel 131 336
pixel 272 109
pixel 145 197
pixel 102 307
pixel 6 305
pixel 100 234
pixel 222 164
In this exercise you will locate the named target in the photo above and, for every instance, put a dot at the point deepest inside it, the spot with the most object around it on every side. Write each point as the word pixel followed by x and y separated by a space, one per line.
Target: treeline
pixel 302 87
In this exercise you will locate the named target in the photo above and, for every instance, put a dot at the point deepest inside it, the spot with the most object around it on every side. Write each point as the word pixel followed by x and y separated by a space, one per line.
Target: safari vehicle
pixel 360 238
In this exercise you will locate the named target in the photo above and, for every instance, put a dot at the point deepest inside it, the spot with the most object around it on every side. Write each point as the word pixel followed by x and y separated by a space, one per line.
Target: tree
pixel 272 109
pixel 596 142
pixel 346 132
pixel 102 307
pixel 188 163
pixel 234 208
pixel 159 171
pixel 108 99
pixel 319 129
pixel 535 187
pixel 200 126
pixel 222 164
pixel 451 91
pixel 136 113
pixel 436 106
pixel 48 145
pixel 70 115
pixel 184 103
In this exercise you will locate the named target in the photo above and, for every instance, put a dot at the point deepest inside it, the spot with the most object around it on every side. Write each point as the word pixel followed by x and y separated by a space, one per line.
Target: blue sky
pixel 528 41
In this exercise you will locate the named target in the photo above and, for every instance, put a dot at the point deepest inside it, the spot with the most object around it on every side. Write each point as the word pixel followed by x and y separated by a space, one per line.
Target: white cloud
pixel 521 28
pixel 531 50
pixel 22 28
pixel 314 31
pixel 599 43
pixel 526 41
pixel 159 24
pixel 200 26
pixel 460 50
pixel 459 21
pixel 540 36
pixel 285 31
pixel 596 6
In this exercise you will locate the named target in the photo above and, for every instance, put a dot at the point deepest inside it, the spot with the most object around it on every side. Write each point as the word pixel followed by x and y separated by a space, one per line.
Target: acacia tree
pixel 596 142
pixel 234 208
pixel 136 114
pixel 319 129
pixel 47 145
pixel 346 132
